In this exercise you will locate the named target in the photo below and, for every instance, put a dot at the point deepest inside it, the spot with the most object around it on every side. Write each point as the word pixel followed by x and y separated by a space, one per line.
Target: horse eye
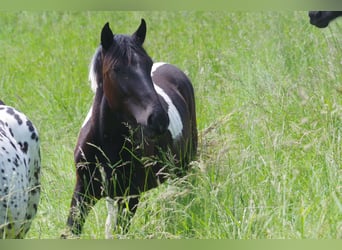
pixel 116 69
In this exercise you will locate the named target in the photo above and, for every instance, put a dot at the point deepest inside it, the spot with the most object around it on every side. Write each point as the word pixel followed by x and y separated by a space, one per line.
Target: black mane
pixel 124 48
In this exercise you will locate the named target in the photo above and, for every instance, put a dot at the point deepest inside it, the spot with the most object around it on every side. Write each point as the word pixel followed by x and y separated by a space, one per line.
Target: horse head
pixel 127 81
pixel 321 19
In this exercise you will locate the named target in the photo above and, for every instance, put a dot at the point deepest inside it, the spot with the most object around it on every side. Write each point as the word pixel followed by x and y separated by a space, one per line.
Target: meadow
pixel 268 89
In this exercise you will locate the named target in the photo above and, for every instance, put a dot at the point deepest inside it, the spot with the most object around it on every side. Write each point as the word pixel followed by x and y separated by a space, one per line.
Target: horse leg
pixel 81 203
pixel 112 217
pixel 119 213
pixel 127 208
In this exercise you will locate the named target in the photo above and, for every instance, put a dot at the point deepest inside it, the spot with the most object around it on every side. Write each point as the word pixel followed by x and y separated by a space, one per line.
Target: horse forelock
pixel 123 52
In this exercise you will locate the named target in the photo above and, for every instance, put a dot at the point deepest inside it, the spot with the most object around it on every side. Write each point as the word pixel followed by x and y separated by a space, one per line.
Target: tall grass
pixel 269 112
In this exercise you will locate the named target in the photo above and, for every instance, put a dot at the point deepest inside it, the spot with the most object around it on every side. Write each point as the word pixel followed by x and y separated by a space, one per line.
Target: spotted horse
pixel 19 172
pixel 140 130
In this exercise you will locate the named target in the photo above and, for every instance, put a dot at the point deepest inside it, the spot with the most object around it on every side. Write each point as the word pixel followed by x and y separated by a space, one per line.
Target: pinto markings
pixel 176 125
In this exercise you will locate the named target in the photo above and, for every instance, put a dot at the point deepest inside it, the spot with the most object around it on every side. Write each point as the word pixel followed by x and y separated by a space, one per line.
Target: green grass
pixel 269 111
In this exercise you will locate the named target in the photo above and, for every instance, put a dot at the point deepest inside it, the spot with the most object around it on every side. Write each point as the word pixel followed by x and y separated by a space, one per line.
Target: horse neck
pixel 109 124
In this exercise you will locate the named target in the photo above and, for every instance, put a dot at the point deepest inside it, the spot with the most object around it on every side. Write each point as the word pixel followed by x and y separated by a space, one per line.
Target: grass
pixel 269 111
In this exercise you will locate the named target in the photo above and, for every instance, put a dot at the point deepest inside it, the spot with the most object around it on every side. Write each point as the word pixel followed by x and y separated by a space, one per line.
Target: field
pixel 268 89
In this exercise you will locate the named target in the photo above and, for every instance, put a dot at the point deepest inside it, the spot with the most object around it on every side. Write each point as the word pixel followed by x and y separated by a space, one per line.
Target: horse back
pixel 178 87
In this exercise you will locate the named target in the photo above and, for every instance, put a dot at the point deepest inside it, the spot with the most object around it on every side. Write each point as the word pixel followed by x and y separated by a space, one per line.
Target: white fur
pixel 112 217
pixel 176 124
pixel 19 172
pixel 156 65
pixel 88 116
pixel 92 74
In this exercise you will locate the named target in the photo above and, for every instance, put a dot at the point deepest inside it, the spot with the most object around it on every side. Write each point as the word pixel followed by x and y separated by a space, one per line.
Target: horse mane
pixel 95 68
pixel 123 52
pixel 124 49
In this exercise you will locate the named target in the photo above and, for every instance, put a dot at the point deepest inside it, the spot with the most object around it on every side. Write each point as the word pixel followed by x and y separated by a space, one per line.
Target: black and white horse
pixel 321 19
pixel 19 172
pixel 140 129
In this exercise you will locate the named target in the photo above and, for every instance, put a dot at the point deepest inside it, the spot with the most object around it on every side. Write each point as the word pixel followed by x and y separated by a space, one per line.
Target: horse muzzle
pixel 158 122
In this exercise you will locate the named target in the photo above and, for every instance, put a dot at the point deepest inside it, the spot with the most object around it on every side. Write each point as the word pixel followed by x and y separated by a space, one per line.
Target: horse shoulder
pixel 85 140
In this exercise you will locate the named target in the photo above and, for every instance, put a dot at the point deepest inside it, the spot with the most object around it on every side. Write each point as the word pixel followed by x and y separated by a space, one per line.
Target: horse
pixel 140 130
pixel 20 164
pixel 321 19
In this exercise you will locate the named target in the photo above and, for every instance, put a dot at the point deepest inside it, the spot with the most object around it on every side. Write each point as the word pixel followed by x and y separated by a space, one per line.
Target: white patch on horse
pixel 176 124
pixel 88 116
pixel 112 217
pixel 155 66
pixel 19 173
pixel 92 73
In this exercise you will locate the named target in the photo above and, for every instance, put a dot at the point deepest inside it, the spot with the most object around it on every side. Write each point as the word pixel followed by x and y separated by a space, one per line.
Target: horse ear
pixel 139 35
pixel 106 37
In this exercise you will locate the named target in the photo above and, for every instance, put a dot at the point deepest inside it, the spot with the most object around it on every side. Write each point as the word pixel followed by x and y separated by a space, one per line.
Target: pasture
pixel 268 89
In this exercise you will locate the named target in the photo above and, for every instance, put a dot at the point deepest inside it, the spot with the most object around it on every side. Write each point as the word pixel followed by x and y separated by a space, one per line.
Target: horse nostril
pixel 158 122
